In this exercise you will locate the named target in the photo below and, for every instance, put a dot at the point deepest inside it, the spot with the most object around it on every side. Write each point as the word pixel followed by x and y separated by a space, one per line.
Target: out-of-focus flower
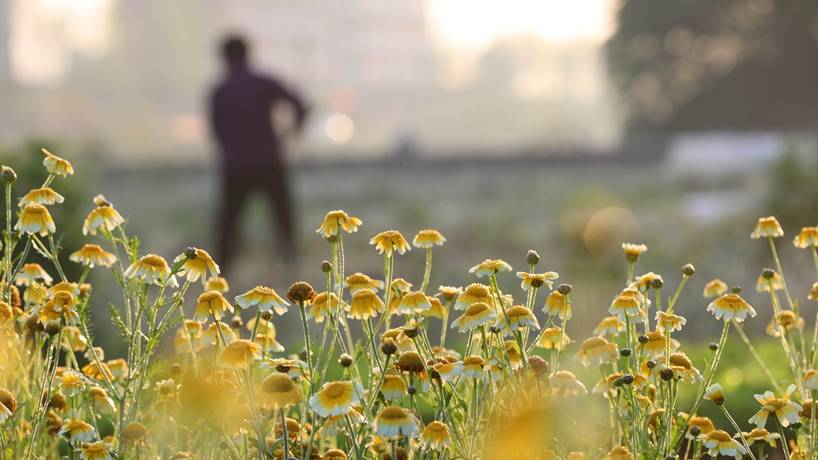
pixel 217 283
pixel 211 303
pixel 280 391
pixel 556 304
pixel 395 421
pixel 413 302
pixel 99 450
pixel 101 401
pixel 657 343
pixel 633 251
pixel 566 384
pixel 476 314
pixel 806 238
pixel 597 350
pixel 784 320
pixel 264 298
pixel 436 436
pixel 610 325
pixel 78 431
pixel 775 282
pixel 490 267
pixel 714 288
pixel 767 227
pixel 32 273
pixel 619 453
pixel 517 317
pixel 357 281
pixel 240 353
pixel 56 165
pixel 761 435
pixel 92 255
pixel 553 338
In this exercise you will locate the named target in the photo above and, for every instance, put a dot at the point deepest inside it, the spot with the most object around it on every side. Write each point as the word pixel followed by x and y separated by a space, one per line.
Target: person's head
pixel 234 50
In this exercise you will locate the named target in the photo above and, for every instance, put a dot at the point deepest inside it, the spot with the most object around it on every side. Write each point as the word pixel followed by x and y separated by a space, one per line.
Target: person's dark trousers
pixel 238 184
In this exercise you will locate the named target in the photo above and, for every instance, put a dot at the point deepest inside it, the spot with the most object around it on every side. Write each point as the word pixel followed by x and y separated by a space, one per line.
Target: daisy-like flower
pixel 683 367
pixel 35 294
pixel 473 367
pixel 64 286
pixel 657 343
pixel 784 320
pixel 761 435
pixel 197 264
pixel 448 293
pixel 35 220
pixel 32 273
pixel 633 251
pixel 151 269
pixel 556 304
pixel 357 281
pixel 810 379
pixel 714 288
pixel 72 338
pixel 103 216
pixel 336 398
pixel 537 280
pixel 490 267
pixel 610 325
pixel 99 450
pixel 167 395
pixel 553 338
pixel 394 387
pixel 645 281
pixel 597 350
pixel 813 293
pixel 767 227
pixel 268 342
pixel 428 238
pixel 517 317
pixel 669 322
pixel 264 298
pixel 436 309
pixel 413 302
pixel 92 255
pixel 78 431
pixel 714 393
pixel 336 221
pixel 785 411
pixel 394 421
pixel 334 454
pixel 56 165
pixel 217 283
pixel 731 307
pixel 448 371
pixel 101 401
pixel 566 384
pixel 211 303
pixel 629 302
pixel 763 284
pixel 71 383
pixel 410 361
pixel 280 391
pixel 619 453
pixel 45 196
pixel 218 331
pixel 473 293
pixel 718 442
pixel 476 315
pixel 240 353
pixel 118 367
pixel 390 241
pixel 364 305
pixel 806 238
pixel 436 436
pixel 321 304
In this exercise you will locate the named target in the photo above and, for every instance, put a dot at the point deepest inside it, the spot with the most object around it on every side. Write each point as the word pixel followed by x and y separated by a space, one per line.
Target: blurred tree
pixel 734 64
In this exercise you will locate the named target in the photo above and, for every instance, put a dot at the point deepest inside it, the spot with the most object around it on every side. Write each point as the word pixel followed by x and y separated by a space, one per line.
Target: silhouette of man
pixel 251 152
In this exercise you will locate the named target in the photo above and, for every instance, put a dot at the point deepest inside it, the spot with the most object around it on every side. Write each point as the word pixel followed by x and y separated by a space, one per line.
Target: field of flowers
pixel 386 367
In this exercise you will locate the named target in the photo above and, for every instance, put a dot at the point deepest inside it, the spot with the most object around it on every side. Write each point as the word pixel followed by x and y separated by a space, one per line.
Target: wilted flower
pixel 321 304
pixel 566 384
pixel 280 391
pixel 240 353
pixel 44 196
pixel 217 283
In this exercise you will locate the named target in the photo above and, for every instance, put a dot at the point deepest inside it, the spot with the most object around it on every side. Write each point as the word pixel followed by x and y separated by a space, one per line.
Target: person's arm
pixel 279 92
pixel 216 117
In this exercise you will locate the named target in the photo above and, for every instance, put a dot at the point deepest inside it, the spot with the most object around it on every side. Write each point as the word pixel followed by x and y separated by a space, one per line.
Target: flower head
pixel 517 317
pixel 490 267
pixel 669 322
pixel 476 314
pixel 413 302
pixel 628 303
pixel 428 238
pixel 240 353
pixel 761 435
pixel 56 165
pixel 731 307
pixel 45 196
pixel 211 303
pixel 264 298
pixel 338 220
pixel 280 391
pixel 322 303
pixel 196 264
pixel 92 255
pixel 718 442
pixel 99 450
pixel 767 227
pixel 151 269
pixel 336 398
pixel 633 251
pixel 714 288
pixel 357 281
pixel 32 273
pixel 78 431
pixel 537 280
pixel 806 238
pixel 610 325
pixel 35 220
pixel 657 342
pixel 557 304
pixel 103 216
pixel 714 393
pixel 473 293
pixel 388 241
pixel 784 410
pixel 364 305
pixel 553 338
pixel 217 283
pixel 597 350
pixel 436 436
pixel 394 421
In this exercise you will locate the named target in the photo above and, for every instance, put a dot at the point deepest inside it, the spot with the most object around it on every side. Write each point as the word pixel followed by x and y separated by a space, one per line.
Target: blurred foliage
pixel 793 190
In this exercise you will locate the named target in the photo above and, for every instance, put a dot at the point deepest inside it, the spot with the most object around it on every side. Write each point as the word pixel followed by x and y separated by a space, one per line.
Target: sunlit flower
pixel 167 395
pixel 395 421
pixel 628 303
pixel 718 442
pixel 217 283
pixel 476 314
pixel 597 350
pixel 731 307
pixel 393 387
pixel 45 196
pixel 683 367
pixel 118 367
pixel 566 384
pixel 517 317
pixel 97 372
pixel 490 267
pixel 151 269
pixel 767 227
pixel 64 286
pixel 806 238
pixel 657 342
pixel 761 435
pixel 134 433
pixel 813 293
pixel 336 398
pixel 411 361
pixel 537 280
pixel 714 288
pixel 338 220
pixel 669 322
pixel 321 304
pixel 78 431
pixel 714 393
pixel 633 251
pixel 413 302
pixel 556 304
pixel 264 298
pixel 357 281
pixel 220 332
pixel 32 273
pixel 553 338
pixel 35 220
pixel 436 309
pixel 104 216
pixel 99 450
pixel 448 371
pixel 763 284
pixel 473 293
pixel 211 303
pixel 35 294
pixel 197 264
pixel 784 320
pixel 268 342
pixel 448 293
pixel 334 454
pixel 71 383
pixel 810 380
pixel 428 238
pixel 389 241
pixel 436 436
pixel 240 353
pixel 645 281
pixel 280 391
pixel 619 453
pixel 785 411
pixel 92 255
pixel 610 325
pixel 473 367
pixel 56 165
pixel 101 401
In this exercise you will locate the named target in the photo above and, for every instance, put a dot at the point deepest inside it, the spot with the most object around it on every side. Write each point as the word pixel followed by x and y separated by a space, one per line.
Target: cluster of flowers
pixel 229 390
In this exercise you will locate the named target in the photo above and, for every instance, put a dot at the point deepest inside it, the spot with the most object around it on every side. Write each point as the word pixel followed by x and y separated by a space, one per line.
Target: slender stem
pixel 427 271
pixel 738 430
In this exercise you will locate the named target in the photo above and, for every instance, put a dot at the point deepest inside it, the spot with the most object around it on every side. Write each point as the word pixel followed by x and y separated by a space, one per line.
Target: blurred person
pixel 252 156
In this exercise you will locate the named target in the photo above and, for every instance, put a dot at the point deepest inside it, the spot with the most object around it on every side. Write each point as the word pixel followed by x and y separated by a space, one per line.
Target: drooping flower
pixel 357 281
pixel 436 436
pixel 99 450
pixel 764 285
pixel 394 421
pixel 537 280
pixel 785 411
pixel 321 304
pixel 393 387
pixel 56 165
pixel 104 216
pixel 553 338
pixel 78 431
pixel 336 398
pixel 448 293
pixel 657 342
pixel 264 298
pixel 714 288
pixel 628 303
pixel 338 220
pixel 714 393
pixel 473 293
pixel 101 401
pixel 556 304
pixel 767 227
pixel 806 238
pixel 217 283
pixel 597 350
pixel 32 273
pixel 197 264
pixel 45 196
pixel 784 321
pixel 633 251
pixel 448 370
pixel 810 379
pixel 476 314
pixel 211 303
pixel 280 391
pixel 490 267
pixel 718 442
pixel 436 309
pixel 35 220
pixel 413 302
pixel 567 384
pixel 761 435
pixel 610 325
pixel 240 353
pixel 390 241
pixel 71 383
pixel 428 238
pixel 364 305
pixel 683 367
pixel 517 317
pixel 473 367
pixel 151 268
pixel 669 322
pixel 92 255
pixel 731 307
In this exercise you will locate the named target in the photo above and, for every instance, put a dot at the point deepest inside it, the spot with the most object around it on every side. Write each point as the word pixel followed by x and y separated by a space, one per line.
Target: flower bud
pixel 190 253
pixel 713 346
pixel 650 363
pixel 300 292
pixel 564 289
pixel 627 379
pixel 326 266
pixel 768 273
pixel 345 360
pixel 735 289
pixel 7 175
pixel 411 390
pixel 643 339
pixel 389 348
pixel 625 352
pixel 236 322
pixel 666 374
pixel 266 315
pixel 532 257
pixel 688 270
pixel 657 283
pixel 695 431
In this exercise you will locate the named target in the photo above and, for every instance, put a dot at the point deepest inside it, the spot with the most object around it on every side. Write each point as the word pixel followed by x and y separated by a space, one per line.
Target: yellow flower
pixel 338 220
pixel 268 342
pixel 197 266
pixel 35 294
pixel 357 281
pixel 364 305
pixel 537 280
pixel 448 371
pixel 152 269
pixel 761 435
pixel 657 343
pixel 413 302
pixel 669 322
pixel 264 298
pixel 597 350
pixel 389 241
pixel 473 367
pixel 682 367
pixel 118 367
pixel 786 320
pixel 813 293
pixel 449 293
pixel 102 402
pixel 473 293
pixel 217 283
pixel 35 220
pixel 56 165
pixel 436 436
pixel 704 424
pixel 334 454
pixel 103 216
pixel 763 284
pixel 134 433
pixel 30 274
pixel 619 453
pixel 784 410
pixel 806 238
pixel 240 353
pixel 395 421
pixel 476 315
pixel 645 281
pixel 714 288
pixel 767 227
pixel 436 309
pixel 566 384
pixel 517 317
pixel 718 442
pixel 214 334
pixel 92 255
pixel 393 387
pixel 336 398
pixel 78 431
pixel 321 304
pixel 714 393
pixel 72 338
pixel 610 325
pixel 556 304
pixel 628 303
pixel 633 251
pixel 811 380
pixel 44 196
pixel 71 383
pixel 428 238
pixel 553 338
pixel 211 302
pixel 490 267
pixel 64 286
pixel 731 307
pixel 99 450
pixel 280 391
